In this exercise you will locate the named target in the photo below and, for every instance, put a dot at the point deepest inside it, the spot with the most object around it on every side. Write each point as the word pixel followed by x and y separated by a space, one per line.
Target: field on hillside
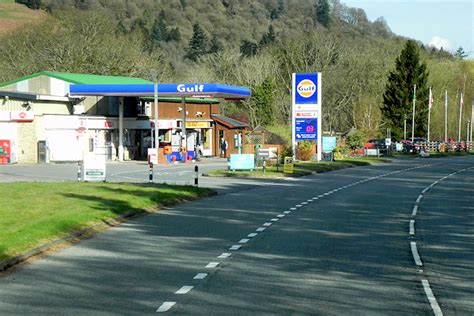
pixel 14 15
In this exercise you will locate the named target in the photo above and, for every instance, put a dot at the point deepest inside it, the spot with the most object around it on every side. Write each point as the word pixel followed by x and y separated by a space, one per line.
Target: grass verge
pixel 33 214
pixel 300 168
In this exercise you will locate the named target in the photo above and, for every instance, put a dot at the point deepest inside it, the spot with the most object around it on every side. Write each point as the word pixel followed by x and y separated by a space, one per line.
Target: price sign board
pixel 306 129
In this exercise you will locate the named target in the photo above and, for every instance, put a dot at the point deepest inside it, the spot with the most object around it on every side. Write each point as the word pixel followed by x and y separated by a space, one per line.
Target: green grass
pixel 34 213
pixel 300 168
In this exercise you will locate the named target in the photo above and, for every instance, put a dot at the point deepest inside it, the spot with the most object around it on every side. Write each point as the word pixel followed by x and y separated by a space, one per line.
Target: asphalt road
pixel 337 243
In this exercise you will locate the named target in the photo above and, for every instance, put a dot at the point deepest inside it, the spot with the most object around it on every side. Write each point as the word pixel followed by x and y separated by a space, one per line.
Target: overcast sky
pixel 447 24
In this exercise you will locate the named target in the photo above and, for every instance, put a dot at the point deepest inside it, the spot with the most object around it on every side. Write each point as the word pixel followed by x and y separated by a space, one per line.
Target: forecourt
pixel 330 244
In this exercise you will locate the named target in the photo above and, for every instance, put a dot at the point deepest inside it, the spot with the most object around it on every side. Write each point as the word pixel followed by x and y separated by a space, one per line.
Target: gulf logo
pixel 306 88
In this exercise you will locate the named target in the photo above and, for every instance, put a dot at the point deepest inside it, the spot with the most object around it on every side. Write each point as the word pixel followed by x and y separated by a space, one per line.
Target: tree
pixel 197 44
pixel 322 13
pixel 248 48
pixel 267 38
pixel 216 45
pixel 159 32
pixel 460 53
pixel 398 97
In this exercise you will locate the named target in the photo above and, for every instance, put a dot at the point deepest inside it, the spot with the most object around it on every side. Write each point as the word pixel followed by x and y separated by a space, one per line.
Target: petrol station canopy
pixel 211 90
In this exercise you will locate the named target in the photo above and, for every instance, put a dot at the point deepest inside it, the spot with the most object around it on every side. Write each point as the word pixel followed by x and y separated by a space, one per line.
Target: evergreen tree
pixel 263 96
pixel 159 32
pixel 174 35
pixel 398 96
pixel 268 38
pixel 322 13
pixel 248 48
pixel 197 44
pixel 216 45
pixel 460 53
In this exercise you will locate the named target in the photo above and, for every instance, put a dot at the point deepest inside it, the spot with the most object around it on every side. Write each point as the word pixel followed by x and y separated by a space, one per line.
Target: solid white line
pixel 200 276
pixel 235 247
pixel 251 235
pixel 431 298
pixel 419 198
pixel 267 224
pixel 416 255
pixel 280 215
pixel 287 212
pixel 166 306
pixel 261 229
pixel 224 255
pixel 244 241
pixel 184 289
pixel 211 265
pixel 415 209
pixel 275 219
pixel 412 227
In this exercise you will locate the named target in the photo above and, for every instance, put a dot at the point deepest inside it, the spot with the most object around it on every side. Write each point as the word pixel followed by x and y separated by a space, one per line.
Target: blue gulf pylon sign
pixel 306 109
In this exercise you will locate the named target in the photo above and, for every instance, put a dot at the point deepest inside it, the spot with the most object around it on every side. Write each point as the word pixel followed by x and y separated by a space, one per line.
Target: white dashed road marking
pixel 235 247
pixel 415 209
pixel 267 224
pixel 224 255
pixel 200 276
pixel 275 219
pixel 416 255
pixel 431 298
pixel 166 306
pixel 251 235
pixel 419 198
pixel 287 212
pixel 412 227
pixel 244 241
pixel 280 215
pixel 184 289
pixel 211 265
pixel 261 229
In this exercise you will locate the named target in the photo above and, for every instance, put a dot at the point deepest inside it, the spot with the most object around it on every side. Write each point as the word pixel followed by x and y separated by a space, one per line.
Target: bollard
pixel 79 171
pixel 264 165
pixel 196 170
pixel 150 172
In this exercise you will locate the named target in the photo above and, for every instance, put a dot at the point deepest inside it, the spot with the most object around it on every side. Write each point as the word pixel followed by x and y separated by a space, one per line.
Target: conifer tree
pixel 322 13
pixel 268 38
pixel 399 92
pixel 197 44
pixel 248 48
pixel 216 45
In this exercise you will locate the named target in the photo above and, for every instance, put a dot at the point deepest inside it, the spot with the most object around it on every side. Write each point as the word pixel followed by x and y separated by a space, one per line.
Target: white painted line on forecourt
pixel 200 276
pixel 211 265
pixel 412 227
pixel 235 247
pixel 415 209
pixel 260 229
pixel 244 241
pixel 251 235
pixel 431 298
pixel 224 255
pixel 416 255
pixel 184 289
pixel 419 198
pixel 166 306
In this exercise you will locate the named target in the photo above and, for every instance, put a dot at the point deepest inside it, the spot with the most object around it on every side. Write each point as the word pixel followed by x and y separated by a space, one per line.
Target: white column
pixel 320 117
pixel 120 144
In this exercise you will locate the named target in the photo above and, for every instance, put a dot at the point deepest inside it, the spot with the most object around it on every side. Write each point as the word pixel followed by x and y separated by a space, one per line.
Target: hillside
pixel 13 16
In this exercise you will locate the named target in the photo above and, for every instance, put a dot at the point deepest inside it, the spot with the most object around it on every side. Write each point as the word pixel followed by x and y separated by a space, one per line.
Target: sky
pixel 448 24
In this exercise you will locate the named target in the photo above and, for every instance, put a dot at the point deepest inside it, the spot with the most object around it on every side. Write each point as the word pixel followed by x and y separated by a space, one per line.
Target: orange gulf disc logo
pixel 306 88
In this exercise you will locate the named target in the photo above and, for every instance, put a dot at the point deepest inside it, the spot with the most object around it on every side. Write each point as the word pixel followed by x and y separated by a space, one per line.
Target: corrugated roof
pixel 81 78
pixel 230 122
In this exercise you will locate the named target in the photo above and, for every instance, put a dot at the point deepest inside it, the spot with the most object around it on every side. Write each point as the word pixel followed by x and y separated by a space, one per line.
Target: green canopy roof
pixel 81 78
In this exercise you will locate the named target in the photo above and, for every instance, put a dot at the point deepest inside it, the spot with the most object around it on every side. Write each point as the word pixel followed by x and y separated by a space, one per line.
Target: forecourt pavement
pixel 332 244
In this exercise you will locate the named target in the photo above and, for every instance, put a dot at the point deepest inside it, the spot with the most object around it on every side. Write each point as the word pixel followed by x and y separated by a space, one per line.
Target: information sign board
pixel 329 143
pixel 93 169
pixel 242 162
pixel 306 129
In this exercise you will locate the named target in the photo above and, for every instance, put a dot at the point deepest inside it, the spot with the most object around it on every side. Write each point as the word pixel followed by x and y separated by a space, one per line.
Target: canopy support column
pixel 120 144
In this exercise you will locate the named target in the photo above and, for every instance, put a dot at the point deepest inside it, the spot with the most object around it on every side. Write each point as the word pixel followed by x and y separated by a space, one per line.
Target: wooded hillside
pixel 256 43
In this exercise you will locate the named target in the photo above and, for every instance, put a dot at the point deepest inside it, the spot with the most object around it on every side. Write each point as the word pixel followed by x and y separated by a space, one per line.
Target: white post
pixel 320 118
pixel 429 115
pixel 446 116
pixel 184 140
pixel 405 127
pixel 157 130
pixel 472 119
pixel 460 117
pixel 120 144
pixel 413 115
pixel 293 119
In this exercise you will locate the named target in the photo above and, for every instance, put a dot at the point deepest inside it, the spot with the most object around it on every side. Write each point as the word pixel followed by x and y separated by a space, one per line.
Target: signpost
pixel 288 166
pixel 306 110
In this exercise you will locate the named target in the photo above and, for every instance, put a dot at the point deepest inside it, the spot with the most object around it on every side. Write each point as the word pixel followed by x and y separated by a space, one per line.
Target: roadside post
pixel 150 172
pixel 196 175
pixel 79 171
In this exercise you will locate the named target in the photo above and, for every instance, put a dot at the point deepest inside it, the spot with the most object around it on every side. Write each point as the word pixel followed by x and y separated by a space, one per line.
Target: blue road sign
pixel 306 129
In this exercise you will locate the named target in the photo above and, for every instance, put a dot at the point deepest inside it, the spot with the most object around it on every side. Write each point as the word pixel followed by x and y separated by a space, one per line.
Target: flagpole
pixel 460 116
pixel 429 114
pixel 446 116
pixel 413 116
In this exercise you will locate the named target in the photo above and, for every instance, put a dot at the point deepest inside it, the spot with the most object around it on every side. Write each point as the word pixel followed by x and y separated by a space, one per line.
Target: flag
pixel 430 100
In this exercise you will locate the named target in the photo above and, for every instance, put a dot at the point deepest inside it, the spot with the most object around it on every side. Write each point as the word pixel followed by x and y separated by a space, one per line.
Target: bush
pixel 285 152
pixel 355 139
pixel 304 151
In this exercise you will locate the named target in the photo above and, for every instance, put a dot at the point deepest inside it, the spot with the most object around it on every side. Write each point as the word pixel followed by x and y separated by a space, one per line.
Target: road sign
pixel 306 129
pixel 288 166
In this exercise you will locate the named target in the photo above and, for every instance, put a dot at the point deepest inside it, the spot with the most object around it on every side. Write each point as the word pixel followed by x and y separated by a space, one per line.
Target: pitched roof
pixel 229 122
pixel 81 78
